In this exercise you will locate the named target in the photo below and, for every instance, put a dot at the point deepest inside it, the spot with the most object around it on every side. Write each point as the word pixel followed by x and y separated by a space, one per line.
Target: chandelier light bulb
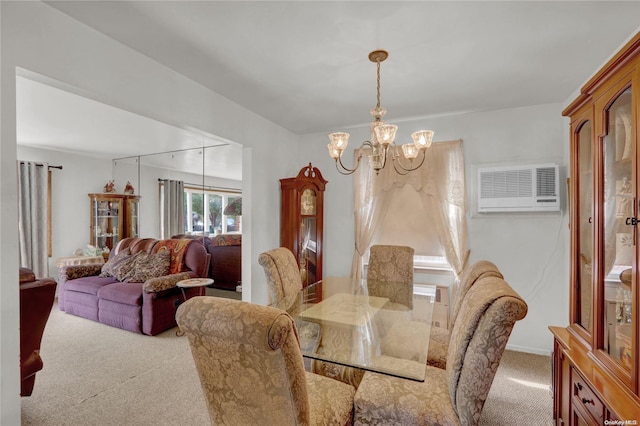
pixel 410 151
pixel 333 151
pixel 386 134
pixel 423 138
pixel 339 140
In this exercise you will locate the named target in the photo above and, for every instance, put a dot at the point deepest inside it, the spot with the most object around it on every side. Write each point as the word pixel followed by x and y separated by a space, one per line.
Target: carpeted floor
pixel 99 375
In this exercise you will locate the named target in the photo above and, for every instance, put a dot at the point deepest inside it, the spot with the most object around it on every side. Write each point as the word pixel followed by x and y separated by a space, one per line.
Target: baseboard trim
pixel 535 351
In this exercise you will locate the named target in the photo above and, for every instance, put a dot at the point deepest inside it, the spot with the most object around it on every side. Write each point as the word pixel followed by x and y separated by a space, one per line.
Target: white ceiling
pixel 52 118
pixel 304 66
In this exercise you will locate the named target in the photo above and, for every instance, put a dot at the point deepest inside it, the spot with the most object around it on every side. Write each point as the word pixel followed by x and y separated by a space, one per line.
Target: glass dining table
pixel 371 325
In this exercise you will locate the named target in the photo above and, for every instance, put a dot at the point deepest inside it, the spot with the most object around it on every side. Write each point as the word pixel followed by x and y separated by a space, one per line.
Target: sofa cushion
pixel 125 268
pixel 107 268
pixel 89 285
pixel 150 266
pixel 227 240
pixel 127 293
pixel 177 249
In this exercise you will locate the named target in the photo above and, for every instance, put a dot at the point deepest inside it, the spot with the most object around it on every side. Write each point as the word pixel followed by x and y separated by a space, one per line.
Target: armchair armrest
pixel 73 272
pixel 155 285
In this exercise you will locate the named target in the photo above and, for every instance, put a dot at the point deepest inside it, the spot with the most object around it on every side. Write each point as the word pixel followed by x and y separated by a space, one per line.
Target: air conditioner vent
pixel 518 188
pixel 507 183
pixel 546 181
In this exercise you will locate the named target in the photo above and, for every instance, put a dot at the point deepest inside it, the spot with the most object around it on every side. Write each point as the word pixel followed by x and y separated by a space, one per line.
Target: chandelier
pixel 382 143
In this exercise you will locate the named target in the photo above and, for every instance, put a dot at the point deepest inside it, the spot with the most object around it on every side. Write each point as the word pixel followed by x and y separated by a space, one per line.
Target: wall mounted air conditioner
pixel 533 188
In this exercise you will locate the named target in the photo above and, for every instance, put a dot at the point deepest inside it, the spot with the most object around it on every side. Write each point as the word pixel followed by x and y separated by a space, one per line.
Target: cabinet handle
pixel 579 386
pixel 590 219
pixel 588 401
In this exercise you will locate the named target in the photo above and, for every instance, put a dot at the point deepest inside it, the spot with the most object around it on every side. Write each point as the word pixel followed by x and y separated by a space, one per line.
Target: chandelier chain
pixel 378 82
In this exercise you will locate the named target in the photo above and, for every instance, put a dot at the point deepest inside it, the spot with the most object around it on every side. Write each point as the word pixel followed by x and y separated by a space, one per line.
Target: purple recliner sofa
pixel 141 307
pixel 225 267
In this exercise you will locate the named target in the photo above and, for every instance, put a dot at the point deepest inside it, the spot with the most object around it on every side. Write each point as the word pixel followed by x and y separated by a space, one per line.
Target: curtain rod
pixel 40 165
pixel 199 185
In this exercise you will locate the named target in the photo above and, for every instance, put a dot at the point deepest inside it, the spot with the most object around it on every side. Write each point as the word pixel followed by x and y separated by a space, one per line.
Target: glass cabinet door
pixel 618 224
pixel 133 218
pixel 584 194
pixel 107 219
pixel 308 237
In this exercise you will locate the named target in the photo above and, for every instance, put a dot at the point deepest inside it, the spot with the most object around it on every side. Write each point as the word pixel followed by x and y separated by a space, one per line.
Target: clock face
pixel 308 202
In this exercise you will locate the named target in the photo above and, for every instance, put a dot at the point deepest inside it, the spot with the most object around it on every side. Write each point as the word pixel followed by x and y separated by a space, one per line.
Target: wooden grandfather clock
pixel 301 220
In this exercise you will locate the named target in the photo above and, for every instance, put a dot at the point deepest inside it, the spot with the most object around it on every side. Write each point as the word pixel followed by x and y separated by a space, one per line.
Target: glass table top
pixel 372 325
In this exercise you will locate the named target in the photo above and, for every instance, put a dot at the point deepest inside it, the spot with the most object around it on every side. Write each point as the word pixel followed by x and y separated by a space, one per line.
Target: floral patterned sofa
pixel 136 289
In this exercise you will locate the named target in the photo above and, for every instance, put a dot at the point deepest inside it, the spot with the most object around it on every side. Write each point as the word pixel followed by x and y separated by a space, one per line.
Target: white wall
pixel 42 40
pixel 531 250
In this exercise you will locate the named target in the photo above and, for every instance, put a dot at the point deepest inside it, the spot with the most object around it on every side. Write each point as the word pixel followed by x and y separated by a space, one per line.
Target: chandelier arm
pixel 410 169
pixel 345 170
pixel 344 173
pixel 400 171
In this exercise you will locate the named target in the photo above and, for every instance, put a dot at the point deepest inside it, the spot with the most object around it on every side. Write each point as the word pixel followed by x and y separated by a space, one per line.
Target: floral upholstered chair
pixel 439 338
pixel 285 282
pixel 456 395
pixel 391 264
pixel 250 367
pixel 282 272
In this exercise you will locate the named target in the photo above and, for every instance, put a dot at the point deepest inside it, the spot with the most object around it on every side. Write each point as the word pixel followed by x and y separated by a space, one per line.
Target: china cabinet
pixel 301 220
pixel 113 217
pixel 596 365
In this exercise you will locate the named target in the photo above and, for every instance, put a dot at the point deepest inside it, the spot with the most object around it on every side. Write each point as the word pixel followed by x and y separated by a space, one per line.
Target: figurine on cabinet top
pixel 128 188
pixel 109 187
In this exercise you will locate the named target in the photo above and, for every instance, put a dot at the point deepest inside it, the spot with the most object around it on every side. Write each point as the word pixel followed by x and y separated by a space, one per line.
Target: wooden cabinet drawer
pixel 582 395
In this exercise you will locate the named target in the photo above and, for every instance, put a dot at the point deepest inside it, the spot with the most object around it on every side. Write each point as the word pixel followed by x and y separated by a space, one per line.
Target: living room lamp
pixel 382 143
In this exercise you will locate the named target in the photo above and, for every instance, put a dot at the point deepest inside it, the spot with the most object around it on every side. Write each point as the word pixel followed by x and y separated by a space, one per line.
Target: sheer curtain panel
pixel 32 216
pixel 370 207
pixel 440 184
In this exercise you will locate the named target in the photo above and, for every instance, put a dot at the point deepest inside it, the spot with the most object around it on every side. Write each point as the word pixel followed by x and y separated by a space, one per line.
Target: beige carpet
pixel 99 375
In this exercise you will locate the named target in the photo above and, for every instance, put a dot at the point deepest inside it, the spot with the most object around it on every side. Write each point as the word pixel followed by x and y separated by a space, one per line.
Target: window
pixel 204 210
pixel 407 223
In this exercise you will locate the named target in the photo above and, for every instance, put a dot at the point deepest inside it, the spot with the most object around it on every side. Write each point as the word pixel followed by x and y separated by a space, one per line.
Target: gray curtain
pixel 32 216
pixel 173 208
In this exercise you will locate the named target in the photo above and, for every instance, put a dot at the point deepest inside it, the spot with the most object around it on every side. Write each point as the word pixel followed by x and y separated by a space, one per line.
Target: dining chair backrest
pixel 478 339
pixel 248 359
pixel 282 273
pixel 391 264
pixel 471 274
